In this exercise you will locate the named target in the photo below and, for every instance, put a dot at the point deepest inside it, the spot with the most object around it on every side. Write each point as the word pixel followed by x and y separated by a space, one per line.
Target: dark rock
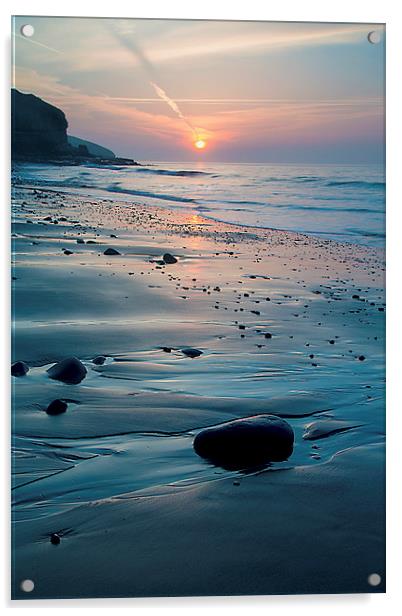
pixel 169 259
pixel 69 370
pixel 99 360
pixel 80 241
pixel 38 128
pixel 55 538
pixel 246 442
pixel 361 357
pixel 67 252
pixel 19 368
pixel 111 251
pixel 39 132
pixel 167 349
pixel 57 407
pixel 268 335
pixel 191 352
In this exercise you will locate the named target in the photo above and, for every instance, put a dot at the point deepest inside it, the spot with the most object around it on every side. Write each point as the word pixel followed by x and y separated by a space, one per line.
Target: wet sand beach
pixel 286 324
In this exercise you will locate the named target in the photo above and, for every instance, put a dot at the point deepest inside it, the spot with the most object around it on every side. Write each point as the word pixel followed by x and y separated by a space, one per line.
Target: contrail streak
pixel 129 44
pixel 173 105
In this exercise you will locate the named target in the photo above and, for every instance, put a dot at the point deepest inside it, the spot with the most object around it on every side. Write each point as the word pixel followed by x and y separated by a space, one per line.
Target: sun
pixel 200 144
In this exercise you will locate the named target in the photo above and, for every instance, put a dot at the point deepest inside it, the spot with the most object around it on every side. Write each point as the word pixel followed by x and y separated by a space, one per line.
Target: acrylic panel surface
pixel 198 227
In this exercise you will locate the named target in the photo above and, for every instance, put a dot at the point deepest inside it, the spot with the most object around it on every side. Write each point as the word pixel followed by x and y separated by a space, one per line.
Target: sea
pixel 340 202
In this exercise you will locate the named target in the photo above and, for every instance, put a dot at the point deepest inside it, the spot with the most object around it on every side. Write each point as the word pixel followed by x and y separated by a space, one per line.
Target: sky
pixel 249 91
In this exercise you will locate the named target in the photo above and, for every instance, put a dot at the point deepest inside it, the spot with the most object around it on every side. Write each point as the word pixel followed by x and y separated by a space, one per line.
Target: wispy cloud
pixel 187 41
pixel 32 41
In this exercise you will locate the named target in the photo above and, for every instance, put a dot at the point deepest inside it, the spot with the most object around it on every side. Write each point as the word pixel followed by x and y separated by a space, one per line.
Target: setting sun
pixel 200 144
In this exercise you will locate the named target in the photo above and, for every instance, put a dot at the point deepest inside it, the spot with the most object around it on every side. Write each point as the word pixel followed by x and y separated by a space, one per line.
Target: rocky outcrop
pixel 38 129
pixel 39 133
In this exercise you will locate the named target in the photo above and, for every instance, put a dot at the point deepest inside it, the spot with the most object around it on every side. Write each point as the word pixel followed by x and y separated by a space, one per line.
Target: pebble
pixel 169 259
pixel 55 539
pixel 57 407
pixel 111 251
pixel 99 360
pixel 69 370
pixel 191 353
pixel 19 368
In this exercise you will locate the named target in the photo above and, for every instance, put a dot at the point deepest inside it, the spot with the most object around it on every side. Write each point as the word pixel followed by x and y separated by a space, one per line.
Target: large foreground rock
pixel 69 370
pixel 246 442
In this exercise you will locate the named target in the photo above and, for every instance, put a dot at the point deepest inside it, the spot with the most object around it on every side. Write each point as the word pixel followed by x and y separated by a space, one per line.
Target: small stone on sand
pixel 69 370
pixel 54 539
pixel 19 368
pixel 57 407
pixel 111 251
pixel 169 259
pixel 191 352
pixel 99 360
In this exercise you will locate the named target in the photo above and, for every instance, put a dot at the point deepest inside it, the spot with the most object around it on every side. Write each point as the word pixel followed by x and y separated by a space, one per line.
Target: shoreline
pixel 178 211
pixel 343 205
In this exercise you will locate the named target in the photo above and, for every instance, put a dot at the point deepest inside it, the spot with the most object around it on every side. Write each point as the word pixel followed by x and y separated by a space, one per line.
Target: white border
pixel 365 11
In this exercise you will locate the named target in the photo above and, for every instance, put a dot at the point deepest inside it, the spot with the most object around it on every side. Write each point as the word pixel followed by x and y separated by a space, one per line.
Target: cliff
pixel 39 133
pixel 37 128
